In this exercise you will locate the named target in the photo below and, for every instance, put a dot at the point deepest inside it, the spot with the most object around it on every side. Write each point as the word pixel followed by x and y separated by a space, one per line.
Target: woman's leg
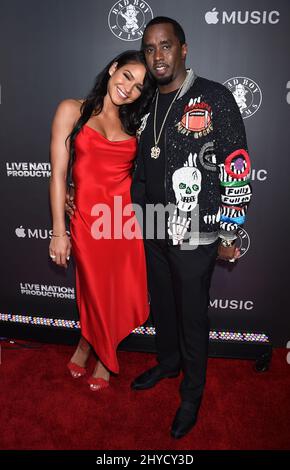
pixel 80 355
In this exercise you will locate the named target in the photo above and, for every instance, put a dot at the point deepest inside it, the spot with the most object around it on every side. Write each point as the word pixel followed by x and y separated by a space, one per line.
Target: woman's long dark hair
pixel 130 114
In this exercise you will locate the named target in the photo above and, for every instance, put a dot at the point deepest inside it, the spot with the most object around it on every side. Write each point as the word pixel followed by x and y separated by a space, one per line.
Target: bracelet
pixel 65 234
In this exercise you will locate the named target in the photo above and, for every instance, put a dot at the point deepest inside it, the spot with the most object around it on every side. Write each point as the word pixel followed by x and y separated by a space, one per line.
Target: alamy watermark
pixel 158 222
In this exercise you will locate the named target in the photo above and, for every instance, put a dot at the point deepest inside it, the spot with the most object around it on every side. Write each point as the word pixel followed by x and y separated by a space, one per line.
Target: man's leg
pixel 162 305
pixel 162 308
pixel 191 272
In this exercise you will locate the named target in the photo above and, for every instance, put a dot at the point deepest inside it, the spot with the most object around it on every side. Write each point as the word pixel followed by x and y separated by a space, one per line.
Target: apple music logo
pixel 20 232
pixel 37 233
pixel 242 17
pixel 211 17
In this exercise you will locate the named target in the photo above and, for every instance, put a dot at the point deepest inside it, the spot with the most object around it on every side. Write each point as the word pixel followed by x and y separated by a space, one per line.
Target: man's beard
pixel 164 80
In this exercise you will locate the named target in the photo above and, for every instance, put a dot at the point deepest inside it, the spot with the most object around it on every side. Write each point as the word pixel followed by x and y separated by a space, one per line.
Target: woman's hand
pixel 59 250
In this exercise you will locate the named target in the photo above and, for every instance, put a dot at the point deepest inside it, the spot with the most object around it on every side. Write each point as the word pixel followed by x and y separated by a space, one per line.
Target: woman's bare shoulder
pixel 68 110
pixel 70 106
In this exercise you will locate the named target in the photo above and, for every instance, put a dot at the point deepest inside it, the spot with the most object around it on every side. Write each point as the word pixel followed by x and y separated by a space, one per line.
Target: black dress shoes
pixel 185 419
pixel 151 377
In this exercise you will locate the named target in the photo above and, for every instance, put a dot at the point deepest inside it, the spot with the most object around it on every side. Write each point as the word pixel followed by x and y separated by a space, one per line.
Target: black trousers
pixel 179 282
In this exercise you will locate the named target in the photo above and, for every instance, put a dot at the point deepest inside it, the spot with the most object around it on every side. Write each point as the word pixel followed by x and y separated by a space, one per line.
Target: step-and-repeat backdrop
pixel 53 50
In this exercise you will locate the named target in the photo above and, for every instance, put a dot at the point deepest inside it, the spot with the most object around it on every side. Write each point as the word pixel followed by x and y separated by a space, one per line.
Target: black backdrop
pixel 53 50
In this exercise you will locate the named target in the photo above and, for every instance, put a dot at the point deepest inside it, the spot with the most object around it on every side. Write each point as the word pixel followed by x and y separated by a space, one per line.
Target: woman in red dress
pixel 95 138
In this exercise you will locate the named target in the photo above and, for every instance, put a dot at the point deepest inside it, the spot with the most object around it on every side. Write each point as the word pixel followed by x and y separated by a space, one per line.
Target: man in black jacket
pixel 192 159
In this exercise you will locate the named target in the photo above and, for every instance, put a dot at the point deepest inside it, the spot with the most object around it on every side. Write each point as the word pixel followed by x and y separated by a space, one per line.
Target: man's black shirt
pixel 155 168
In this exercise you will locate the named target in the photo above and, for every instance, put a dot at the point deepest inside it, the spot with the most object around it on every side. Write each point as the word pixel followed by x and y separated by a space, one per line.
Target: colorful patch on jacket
pixel 207 157
pixel 186 183
pixel 237 164
pixel 196 119
pixel 236 189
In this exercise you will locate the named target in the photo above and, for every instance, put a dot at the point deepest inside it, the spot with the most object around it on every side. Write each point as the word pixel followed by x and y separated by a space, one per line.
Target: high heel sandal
pixel 101 383
pixel 75 370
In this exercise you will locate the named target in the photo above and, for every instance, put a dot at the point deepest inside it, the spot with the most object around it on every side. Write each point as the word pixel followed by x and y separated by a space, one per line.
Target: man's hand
pixel 230 253
pixel 69 202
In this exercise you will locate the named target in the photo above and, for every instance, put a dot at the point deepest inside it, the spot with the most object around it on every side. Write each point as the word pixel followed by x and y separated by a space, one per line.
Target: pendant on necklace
pixel 155 152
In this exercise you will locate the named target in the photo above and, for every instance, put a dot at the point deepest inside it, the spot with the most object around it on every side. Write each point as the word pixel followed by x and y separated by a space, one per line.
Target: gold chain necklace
pixel 155 151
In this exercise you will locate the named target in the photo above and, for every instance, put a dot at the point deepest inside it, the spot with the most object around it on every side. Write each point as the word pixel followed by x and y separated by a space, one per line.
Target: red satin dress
pixel 111 283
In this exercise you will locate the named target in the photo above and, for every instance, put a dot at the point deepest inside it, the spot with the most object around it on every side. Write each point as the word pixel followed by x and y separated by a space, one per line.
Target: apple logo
pixel 211 17
pixel 20 232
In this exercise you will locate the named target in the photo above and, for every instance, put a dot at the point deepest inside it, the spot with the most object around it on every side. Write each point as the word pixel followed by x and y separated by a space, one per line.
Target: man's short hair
pixel 178 30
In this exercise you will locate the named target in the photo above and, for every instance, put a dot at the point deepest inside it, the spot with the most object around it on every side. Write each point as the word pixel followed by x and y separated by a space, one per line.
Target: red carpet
pixel 42 407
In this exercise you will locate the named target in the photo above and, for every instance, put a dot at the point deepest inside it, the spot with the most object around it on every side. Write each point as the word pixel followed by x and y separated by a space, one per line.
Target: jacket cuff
pixel 229 236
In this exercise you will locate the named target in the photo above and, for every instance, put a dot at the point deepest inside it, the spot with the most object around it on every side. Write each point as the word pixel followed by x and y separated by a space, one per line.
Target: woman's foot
pixel 100 377
pixel 78 361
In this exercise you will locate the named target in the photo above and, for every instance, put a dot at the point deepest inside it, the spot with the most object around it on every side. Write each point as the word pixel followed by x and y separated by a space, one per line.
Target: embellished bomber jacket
pixel 207 166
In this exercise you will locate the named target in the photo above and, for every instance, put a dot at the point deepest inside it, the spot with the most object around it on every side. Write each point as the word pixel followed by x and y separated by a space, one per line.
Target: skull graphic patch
pixel 186 183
